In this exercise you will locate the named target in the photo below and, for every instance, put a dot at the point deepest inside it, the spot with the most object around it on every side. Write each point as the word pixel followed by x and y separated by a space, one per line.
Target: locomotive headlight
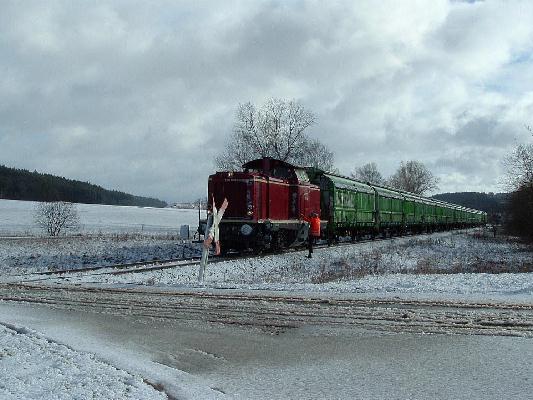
pixel 246 230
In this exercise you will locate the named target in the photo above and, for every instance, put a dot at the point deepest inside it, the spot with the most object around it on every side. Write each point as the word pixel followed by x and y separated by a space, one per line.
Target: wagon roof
pixel 342 182
pixel 383 191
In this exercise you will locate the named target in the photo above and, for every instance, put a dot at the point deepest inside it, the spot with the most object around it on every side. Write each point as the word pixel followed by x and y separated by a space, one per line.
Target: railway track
pixel 280 312
pixel 145 266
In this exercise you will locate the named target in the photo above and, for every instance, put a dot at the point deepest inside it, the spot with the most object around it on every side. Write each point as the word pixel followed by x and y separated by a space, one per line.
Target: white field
pixel 17 218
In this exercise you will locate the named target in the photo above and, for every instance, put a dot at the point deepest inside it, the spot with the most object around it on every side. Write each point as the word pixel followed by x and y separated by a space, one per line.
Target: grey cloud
pixel 141 96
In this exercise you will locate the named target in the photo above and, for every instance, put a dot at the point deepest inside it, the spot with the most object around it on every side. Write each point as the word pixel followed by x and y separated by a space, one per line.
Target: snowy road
pixel 279 311
pixel 309 362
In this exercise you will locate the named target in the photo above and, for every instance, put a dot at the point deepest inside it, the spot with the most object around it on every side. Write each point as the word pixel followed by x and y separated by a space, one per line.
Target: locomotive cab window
pixel 282 172
pixel 302 176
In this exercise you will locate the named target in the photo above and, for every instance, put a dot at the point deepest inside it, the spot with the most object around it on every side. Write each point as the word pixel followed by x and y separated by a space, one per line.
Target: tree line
pixel 20 184
pixel 492 203
pixel 411 176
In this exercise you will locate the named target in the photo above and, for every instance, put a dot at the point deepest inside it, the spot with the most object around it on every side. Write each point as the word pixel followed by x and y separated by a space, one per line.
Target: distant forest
pixel 491 203
pixel 20 184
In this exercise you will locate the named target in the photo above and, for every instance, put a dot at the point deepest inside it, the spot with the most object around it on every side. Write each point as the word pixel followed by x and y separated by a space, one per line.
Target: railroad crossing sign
pixel 212 233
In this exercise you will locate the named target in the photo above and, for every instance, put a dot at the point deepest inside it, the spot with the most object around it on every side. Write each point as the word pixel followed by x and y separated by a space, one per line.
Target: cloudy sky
pixel 140 96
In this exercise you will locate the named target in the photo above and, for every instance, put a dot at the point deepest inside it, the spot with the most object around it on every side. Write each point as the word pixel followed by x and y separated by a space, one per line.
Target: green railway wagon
pixel 440 214
pixel 355 208
pixel 389 209
pixel 414 211
pixel 461 216
pixel 410 206
pixel 429 213
pixel 452 211
pixel 347 205
pixel 447 215
pixel 421 213
pixel 473 217
pixel 444 214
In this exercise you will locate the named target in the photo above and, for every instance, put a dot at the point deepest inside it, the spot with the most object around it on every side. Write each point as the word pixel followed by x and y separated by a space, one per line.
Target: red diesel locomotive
pixel 266 202
pixel 268 199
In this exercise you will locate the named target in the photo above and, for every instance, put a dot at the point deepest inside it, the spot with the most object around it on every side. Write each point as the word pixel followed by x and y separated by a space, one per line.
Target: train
pixel 269 198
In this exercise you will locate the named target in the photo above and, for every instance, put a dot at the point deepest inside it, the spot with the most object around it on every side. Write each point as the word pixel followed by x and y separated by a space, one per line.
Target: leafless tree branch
pixel 278 130
pixel 54 217
pixel 414 177
pixel 368 173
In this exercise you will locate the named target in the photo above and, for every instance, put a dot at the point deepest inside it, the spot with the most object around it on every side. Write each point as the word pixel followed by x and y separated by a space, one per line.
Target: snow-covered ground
pixel 33 367
pixel 17 218
pixel 107 235
pixel 36 254
pixel 449 266
pixel 458 265
pixel 70 361
pixel 223 362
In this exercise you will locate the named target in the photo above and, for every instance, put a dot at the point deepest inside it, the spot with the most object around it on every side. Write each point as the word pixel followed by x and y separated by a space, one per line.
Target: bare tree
pixel 316 154
pixel 519 179
pixel 519 166
pixel 414 177
pixel 368 173
pixel 278 130
pixel 56 216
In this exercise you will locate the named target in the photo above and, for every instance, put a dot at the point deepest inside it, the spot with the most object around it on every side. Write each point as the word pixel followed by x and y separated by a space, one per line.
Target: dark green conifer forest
pixel 20 184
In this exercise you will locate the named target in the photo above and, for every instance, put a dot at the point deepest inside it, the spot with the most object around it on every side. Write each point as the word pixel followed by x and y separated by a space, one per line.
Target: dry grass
pixel 343 269
pixel 472 260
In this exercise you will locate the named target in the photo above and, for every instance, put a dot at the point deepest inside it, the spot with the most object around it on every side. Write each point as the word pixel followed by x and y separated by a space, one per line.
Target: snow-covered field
pixel 448 266
pixel 36 254
pixel 107 235
pixel 17 218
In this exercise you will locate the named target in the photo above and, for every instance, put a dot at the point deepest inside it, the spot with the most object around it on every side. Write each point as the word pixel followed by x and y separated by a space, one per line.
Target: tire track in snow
pixel 278 312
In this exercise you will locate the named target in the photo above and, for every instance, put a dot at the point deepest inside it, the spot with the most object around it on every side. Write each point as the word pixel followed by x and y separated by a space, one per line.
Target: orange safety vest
pixel 314 223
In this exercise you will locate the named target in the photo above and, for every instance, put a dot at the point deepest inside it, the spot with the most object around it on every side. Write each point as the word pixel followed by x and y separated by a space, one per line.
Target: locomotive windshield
pixel 302 176
pixel 282 172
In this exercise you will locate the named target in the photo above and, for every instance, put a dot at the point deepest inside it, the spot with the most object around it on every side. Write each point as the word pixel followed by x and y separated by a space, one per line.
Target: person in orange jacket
pixel 314 231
